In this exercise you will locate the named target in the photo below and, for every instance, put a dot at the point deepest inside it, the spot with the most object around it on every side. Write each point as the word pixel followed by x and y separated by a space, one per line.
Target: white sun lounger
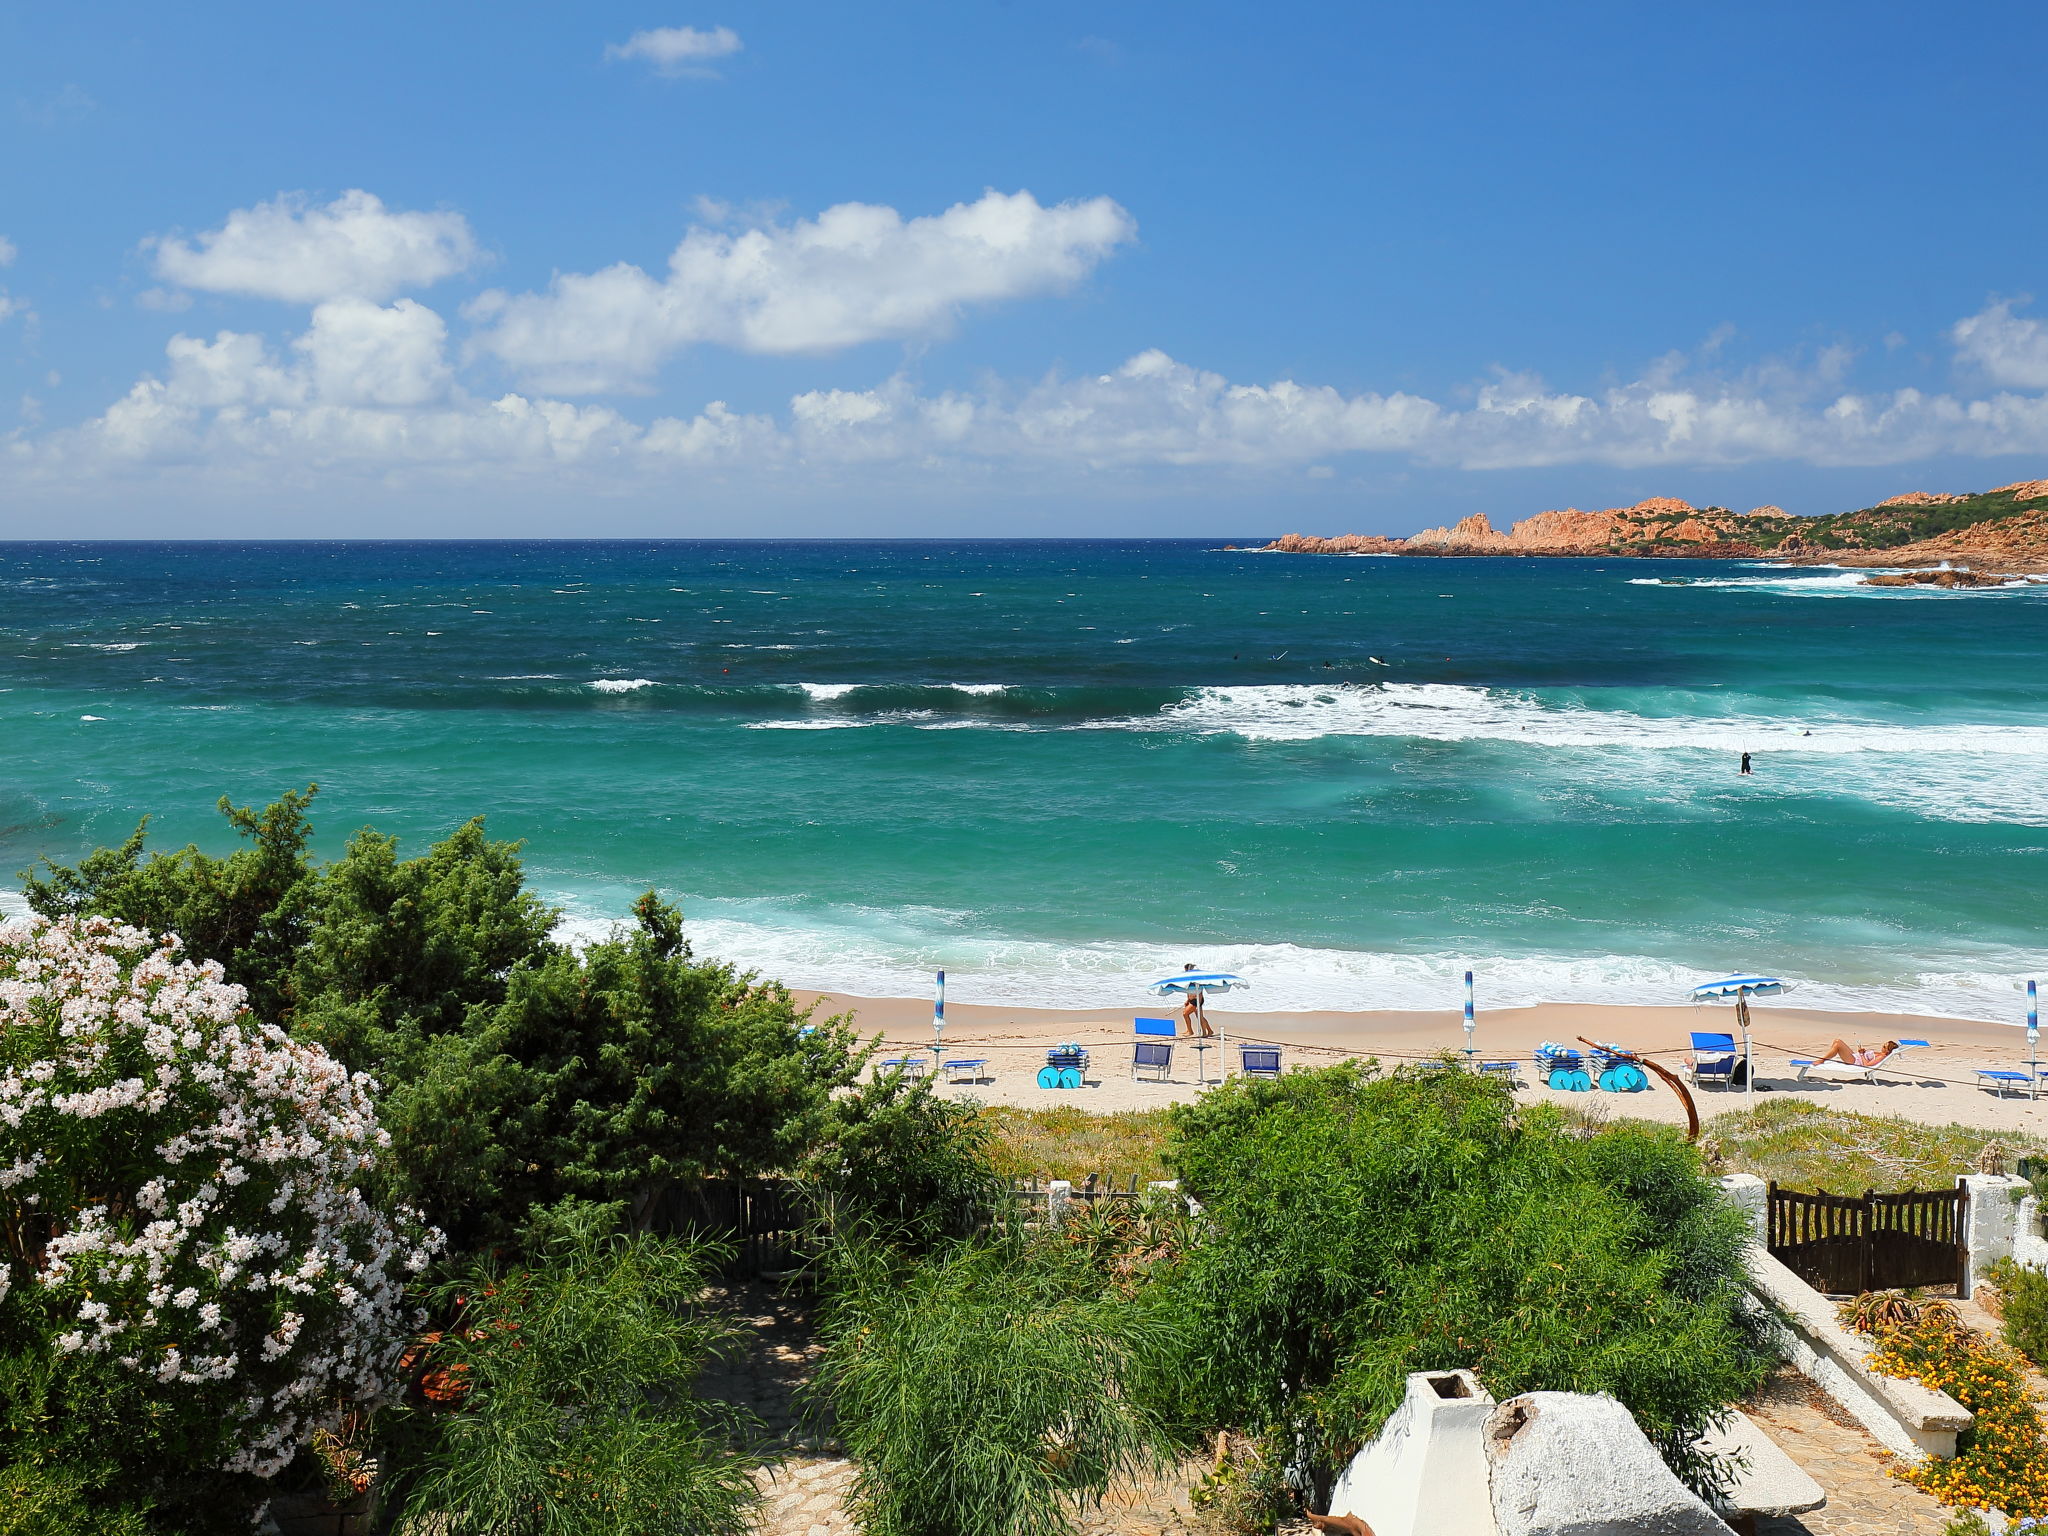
pixel 1849 1072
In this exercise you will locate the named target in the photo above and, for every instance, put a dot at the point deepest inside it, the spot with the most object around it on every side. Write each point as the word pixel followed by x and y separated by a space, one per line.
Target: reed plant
pixel 556 1401
pixel 993 1389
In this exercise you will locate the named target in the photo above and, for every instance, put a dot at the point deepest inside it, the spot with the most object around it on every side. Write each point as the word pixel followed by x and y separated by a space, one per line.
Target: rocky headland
pixel 1989 532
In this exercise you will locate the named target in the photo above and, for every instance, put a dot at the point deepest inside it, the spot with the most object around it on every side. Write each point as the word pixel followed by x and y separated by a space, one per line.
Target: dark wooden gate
pixel 1847 1244
pixel 760 1219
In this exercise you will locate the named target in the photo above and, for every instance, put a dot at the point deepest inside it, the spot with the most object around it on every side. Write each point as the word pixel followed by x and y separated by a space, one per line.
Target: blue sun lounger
pixel 912 1067
pixel 967 1071
pixel 2003 1079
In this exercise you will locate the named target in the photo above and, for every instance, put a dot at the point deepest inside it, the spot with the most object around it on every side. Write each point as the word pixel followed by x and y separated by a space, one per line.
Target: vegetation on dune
pixel 991 1371
pixel 1070 1143
pixel 1806 1146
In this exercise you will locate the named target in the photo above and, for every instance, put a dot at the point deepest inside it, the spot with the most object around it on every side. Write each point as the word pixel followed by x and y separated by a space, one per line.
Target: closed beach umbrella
pixel 1739 990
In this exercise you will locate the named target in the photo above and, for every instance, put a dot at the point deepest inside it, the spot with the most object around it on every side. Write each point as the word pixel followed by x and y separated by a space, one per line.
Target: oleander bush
pixel 196 1268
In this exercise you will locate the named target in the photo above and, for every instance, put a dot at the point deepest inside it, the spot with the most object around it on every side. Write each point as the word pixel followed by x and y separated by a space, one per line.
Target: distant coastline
pixel 1988 533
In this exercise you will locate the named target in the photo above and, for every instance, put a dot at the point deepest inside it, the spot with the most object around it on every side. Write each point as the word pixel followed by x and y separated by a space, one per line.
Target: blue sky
pixel 1123 268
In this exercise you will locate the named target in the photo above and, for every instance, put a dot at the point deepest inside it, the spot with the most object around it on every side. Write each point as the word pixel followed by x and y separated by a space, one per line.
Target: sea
pixel 1060 769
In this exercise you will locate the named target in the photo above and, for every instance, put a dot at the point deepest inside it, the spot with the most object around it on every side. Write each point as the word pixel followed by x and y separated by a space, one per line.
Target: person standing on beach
pixel 1745 763
pixel 1192 1014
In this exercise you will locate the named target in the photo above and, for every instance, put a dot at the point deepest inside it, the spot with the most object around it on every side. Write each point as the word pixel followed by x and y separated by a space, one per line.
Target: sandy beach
pixel 1936 1084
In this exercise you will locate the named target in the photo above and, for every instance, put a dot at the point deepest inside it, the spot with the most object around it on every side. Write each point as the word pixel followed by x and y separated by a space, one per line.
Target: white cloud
pixel 8 251
pixel 678 51
pixel 856 273
pixel 369 389
pixel 2005 348
pixel 11 306
pixel 353 247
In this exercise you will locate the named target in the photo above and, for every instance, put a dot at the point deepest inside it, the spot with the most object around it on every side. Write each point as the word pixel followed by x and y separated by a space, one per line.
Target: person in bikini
pixel 1857 1055
pixel 1192 1016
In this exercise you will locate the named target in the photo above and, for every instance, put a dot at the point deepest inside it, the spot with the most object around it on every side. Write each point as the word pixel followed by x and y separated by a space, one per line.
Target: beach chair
pixel 2002 1079
pixel 1713 1060
pixel 1511 1070
pixel 1811 1070
pixel 1258 1060
pixel 1153 1056
pixel 967 1071
pixel 1153 1051
pixel 912 1067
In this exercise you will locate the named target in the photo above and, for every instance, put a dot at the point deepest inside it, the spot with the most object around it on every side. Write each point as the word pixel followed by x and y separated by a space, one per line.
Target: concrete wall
pixel 1911 1420
pixel 1993 1216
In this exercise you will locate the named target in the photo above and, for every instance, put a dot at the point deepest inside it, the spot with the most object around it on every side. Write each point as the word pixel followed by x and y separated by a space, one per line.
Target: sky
pixel 789 268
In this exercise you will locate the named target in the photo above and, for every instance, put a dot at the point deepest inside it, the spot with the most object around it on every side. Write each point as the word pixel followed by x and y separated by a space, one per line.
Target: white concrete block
pixel 1570 1464
pixel 1425 1474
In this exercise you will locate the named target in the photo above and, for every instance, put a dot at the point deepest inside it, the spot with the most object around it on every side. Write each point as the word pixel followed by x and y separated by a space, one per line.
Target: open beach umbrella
pixel 1200 983
pixel 1739 990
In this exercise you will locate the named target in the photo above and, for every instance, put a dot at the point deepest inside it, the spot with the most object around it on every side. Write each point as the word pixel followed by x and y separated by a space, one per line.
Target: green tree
pixel 1362 1228
pixel 248 910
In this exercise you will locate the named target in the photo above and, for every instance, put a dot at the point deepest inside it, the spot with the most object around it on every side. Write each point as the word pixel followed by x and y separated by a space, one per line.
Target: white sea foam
pixel 824 693
pixel 621 684
pixel 1840 582
pixel 863 952
pixel 977 687
pixel 1452 712
pixel 508 677
pixel 106 645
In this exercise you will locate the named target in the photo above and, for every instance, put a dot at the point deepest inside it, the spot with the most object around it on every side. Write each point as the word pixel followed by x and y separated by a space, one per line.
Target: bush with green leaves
pixel 898 1165
pixel 559 1401
pixel 1365 1227
pixel 2023 1305
pixel 992 1388
pixel 517 1071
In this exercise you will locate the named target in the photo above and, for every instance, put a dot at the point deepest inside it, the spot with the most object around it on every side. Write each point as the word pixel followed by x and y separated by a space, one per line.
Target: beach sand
pixel 1936 1085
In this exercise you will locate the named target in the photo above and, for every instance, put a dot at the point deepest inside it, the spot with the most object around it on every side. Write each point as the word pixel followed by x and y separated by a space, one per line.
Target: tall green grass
pixel 1806 1146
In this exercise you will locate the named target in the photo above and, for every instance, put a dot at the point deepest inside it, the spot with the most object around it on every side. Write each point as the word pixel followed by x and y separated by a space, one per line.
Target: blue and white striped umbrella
pixel 1735 986
pixel 1191 981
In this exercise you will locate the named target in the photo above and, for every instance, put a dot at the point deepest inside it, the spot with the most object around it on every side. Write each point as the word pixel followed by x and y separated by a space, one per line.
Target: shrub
pixel 988 1390
pixel 517 1072
pixel 1363 1228
pixel 193 1276
pixel 2023 1300
pixel 560 1401
pixel 898 1165
pixel 2001 1460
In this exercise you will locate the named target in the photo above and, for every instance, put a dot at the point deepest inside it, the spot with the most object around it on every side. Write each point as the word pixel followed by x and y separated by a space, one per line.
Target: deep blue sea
pixel 1055 768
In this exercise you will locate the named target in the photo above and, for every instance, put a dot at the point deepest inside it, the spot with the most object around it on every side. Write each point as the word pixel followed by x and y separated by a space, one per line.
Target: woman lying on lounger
pixel 1856 1056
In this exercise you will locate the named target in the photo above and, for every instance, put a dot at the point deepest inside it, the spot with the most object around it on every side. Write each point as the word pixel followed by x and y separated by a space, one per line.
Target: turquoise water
pixel 1058 768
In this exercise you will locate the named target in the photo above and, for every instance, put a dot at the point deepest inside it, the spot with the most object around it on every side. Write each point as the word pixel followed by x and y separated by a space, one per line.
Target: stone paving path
pixel 1864 1499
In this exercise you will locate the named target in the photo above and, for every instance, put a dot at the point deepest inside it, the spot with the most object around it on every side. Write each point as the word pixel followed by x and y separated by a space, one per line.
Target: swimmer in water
pixel 1745 763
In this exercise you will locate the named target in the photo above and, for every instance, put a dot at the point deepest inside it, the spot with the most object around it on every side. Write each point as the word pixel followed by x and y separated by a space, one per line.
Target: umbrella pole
pixel 2034 1041
pixel 938 1022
